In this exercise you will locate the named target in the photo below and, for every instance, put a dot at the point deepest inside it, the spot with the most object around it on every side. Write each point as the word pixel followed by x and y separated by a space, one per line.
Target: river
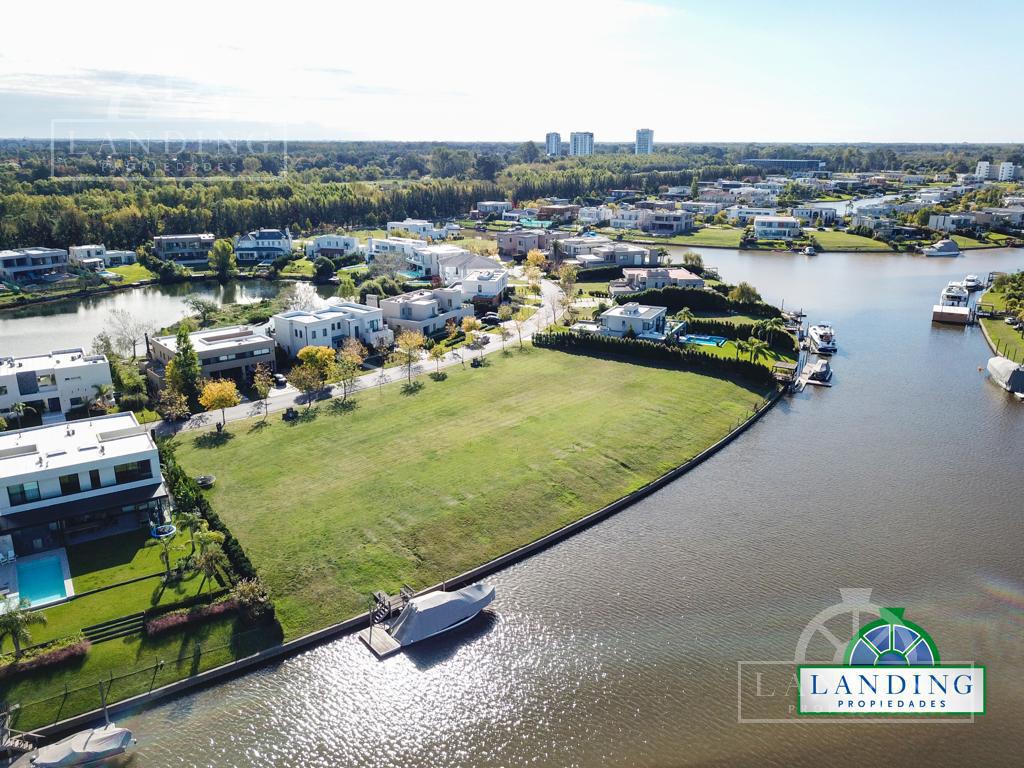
pixel 621 645
pixel 76 322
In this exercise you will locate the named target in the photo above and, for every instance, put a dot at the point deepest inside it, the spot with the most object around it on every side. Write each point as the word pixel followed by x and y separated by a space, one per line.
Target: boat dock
pixel 383 607
pixel 379 641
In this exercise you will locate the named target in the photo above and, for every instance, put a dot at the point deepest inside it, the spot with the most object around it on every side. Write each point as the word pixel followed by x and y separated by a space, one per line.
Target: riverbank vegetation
pixel 1006 296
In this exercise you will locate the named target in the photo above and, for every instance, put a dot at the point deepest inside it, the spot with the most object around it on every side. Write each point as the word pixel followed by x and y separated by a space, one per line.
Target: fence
pixel 194 658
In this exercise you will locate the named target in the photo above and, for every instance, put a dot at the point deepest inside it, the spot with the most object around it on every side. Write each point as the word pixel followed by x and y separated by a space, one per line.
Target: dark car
pixel 491 318
pixel 279 380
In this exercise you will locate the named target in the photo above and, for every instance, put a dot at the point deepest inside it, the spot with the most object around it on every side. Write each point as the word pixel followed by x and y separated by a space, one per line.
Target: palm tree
pixel 757 349
pixel 773 325
pixel 209 562
pixel 101 399
pixel 207 538
pixel 741 347
pixel 20 409
pixel 685 316
pixel 191 522
pixel 16 620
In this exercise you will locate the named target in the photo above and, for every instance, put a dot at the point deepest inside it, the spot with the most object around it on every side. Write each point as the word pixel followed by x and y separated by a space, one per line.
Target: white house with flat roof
pixel 487 207
pixel 484 286
pixel 777 227
pixel 26 265
pixel 631 218
pixel 426 311
pixel 231 352
pixel 65 483
pixel 423 228
pixel 187 250
pixel 646 322
pixel 819 217
pixel 331 245
pixel 89 255
pixel 744 214
pixel 52 384
pixel 331 326
pixel 636 279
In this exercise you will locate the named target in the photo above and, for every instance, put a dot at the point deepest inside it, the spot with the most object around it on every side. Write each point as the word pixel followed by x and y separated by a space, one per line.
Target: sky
pixel 449 70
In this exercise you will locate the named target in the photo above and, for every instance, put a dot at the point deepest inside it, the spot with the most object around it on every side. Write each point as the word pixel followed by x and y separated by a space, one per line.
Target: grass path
pixel 414 488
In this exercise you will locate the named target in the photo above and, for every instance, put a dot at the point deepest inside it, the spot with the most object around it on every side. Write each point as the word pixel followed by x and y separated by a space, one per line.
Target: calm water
pixel 621 646
pixel 75 322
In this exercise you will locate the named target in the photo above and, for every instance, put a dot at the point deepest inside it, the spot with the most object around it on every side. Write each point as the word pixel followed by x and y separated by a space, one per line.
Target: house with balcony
pixel 30 265
pixel 636 279
pixel 670 222
pixel 519 242
pixel 331 246
pixel 741 215
pixel 66 483
pixel 594 214
pixel 98 257
pixel 815 217
pixel 645 322
pixel 484 288
pixel 701 208
pixel 488 207
pixel 631 218
pixel 777 227
pixel 951 222
pixel 426 311
pixel 232 352
pixel 52 384
pixel 186 250
pixel 423 229
pixel 331 326
pixel 262 246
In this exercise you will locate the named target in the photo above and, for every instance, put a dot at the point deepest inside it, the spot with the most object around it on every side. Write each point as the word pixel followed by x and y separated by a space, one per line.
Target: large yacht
pixel 823 339
pixel 954 295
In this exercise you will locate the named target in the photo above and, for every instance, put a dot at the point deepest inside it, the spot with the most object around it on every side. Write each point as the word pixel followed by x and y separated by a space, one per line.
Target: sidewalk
pixel 282 399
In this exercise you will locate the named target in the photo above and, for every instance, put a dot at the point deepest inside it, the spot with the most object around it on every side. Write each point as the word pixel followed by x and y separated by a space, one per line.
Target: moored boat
pixel 1007 374
pixel 83 748
pixel 972 283
pixel 436 612
pixel 954 295
pixel 823 339
pixel 942 248
pixel 821 371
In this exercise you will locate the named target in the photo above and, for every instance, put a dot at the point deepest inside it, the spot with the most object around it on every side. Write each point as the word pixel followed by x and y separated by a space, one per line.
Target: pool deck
pixel 9 577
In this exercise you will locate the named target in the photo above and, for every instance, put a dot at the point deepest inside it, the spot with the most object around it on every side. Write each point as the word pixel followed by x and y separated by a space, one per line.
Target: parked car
pixel 280 380
pixel 491 318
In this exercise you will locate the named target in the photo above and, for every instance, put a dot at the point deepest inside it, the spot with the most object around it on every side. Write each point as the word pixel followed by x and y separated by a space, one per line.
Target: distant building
pixel 331 245
pixel 520 242
pixel 423 228
pixel 983 169
pixel 777 227
pixel 487 207
pixel 331 326
pixel 950 222
pixel 187 250
pixel 553 144
pixel 631 218
pixel 670 222
pixel 90 256
pixel 785 164
pixel 701 208
pixel 636 279
pixel 594 214
pixel 743 215
pixel 53 384
pixel 231 352
pixel 581 144
pixel 818 217
pixel 563 212
pixel 263 246
pixel 1007 172
pixel 484 286
pixel 27 265
pixel 644 141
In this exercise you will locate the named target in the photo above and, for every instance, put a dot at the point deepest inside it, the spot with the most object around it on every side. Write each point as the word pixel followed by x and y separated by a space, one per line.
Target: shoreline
pixel 354 623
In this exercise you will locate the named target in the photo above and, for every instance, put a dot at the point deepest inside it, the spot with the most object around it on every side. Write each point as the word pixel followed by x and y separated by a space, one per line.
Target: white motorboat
pixel 972 283
pixel 83 748
pixel 436 612
pixel 942 248
pixel 809 251
pixel 1007 374
pixel 821 371
pixel 954 295
pixel 823 339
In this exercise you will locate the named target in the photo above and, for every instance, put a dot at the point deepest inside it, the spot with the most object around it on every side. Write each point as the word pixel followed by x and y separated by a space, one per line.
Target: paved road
pixel 280 399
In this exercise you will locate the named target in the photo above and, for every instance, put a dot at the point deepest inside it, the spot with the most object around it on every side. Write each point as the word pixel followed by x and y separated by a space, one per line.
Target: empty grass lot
pixel 844 241
pixel 414 488
pixel 132 273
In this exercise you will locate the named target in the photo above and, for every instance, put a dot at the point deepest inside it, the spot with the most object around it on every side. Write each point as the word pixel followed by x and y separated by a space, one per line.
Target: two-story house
pixel 52 384
pixel 331 326
pixel 262 246
pixel 426 311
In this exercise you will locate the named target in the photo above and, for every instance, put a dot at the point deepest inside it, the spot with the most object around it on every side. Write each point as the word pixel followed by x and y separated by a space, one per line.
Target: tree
pixel 505 314
pixel 171 404
pixel 322 360
pixel 567 279
pixel 127 330
pixel 346 286
pixel 519 318
pixel 691 259
pixel 191 522
pixel 165 556
pixel 302 296
pixel 20 409
pixel 15 621
pixel 350 363
pixel 263 382
pixel 695 185
pixel 409 344
pixel 744 293
pixel 757 349
pixel 437 353
pixel 221 259
pixel 103 394
pixel 3 423
pixel 209 562
pixel 530 152
pixel 203 308
pixel 685 316
pixel 206 538
pixel 323 269
pixel 184 371
pixel 252 597
pixel 504 334
pixel 220 393
pixel 535 258
pixel 741 347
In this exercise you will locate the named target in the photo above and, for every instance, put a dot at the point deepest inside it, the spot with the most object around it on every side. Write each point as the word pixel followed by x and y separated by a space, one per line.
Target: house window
pixel 133 471
pixel 94 478
pixel 3 390
pixel 70 484
pixel 23 493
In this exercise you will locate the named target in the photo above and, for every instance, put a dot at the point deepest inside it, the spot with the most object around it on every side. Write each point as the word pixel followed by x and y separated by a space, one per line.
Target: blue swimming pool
pixel 704 341
pixel 41 579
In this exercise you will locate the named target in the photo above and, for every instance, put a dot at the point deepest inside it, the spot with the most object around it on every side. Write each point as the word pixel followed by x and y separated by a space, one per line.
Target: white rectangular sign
pixel 891 690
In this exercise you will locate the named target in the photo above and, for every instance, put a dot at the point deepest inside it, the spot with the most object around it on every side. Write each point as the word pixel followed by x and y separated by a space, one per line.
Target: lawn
pixel 301 266
pixel 132 273
pixel 115 559
pixel 830 240
pixel 1008 341
pixel 709 237
pixel 414 488
pixel 969 242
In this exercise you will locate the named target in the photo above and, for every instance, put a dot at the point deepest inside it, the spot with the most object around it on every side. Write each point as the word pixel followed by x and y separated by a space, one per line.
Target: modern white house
pixel 777 227
pixel 553 144
pixel 450 262
pixel 571 247
pixel 231 352
pixel 646 322
pixel 426 311
pixel 818 217
pixel 701 208
pixel 66 483
pixel 581 143
pixel 484 286
pixel 331 245
pixel 92 256
pixel 636 279
pixel 262 246
pixel 401 246
pixel 670 222
pixel 644 141
pixel 743 214
pixel 52 384
pixel 631 218
pixel 423 228
pixel 620 254
pixel 594 214
pixel 487 207
pixel 331 326
pixel 950 222
pixel 27 265
pixel 187 250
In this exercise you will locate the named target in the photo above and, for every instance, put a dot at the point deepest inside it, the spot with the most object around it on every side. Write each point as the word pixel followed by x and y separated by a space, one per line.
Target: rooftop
pixel 217 338
pixel 32 251
pixel 61 358
pixel 71 444
pixel 632 309
pixel 332 311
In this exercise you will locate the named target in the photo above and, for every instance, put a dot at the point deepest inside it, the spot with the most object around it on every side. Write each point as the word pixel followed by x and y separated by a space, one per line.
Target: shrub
pixel 252 598
pixel 57 652
pixel 779 340
pixel 598 274
pixel 133 401
pixel 178 619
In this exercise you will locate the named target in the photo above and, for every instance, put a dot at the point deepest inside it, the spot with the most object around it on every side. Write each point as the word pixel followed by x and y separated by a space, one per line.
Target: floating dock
pixel 379 641
pixel 954 315
pixel 375 637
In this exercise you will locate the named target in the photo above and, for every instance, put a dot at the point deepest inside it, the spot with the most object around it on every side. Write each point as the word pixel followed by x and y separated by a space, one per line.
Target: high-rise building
pixel 553 144
pixel 1007 171
pixel 581 143
pixel 983 169
pixel 644 141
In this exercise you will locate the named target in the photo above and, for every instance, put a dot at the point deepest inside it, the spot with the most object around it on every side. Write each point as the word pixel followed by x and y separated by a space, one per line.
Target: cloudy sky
pixel 453 70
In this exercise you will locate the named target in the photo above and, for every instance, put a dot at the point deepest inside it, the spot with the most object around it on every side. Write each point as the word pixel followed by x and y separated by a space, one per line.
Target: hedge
pixel 58 652
pixel 598 274
pixel 189 602
pixel 684 358
pixel 178 619
pixel 779 340
pixel 675 298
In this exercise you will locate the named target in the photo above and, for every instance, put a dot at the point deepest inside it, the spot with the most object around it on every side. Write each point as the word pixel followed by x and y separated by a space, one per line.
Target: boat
pixel 972 283
pixel 823 339
pixel 942 248
pixel 954 295
pixel 809 251
pixel 821 371
pixel 436 612
pixel 83 748
pixel 1007 374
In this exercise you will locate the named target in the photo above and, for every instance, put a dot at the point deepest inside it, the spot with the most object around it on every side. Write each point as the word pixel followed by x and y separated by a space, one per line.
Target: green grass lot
pixel 365 234
pixel 1009 341
pixel 967 243
pixel 301 266
pixel 132 273
pixel 588 288
pixel 729 350
pixel 844 241
pixel 711 237
pixel 413 488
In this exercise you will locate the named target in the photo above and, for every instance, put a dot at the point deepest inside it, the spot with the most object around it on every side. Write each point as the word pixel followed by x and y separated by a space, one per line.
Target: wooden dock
pixel 375 637
pixel 379 641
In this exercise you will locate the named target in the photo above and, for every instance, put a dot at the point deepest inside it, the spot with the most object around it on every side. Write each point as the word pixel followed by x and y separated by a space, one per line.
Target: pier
pixel 383 607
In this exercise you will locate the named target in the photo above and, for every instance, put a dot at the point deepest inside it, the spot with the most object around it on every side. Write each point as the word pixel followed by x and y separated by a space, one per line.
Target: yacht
pixel 823 339
pixel 83 748
pixel 953 295
pixel 972 283
pixel 942 248
pixel 809 251
pixel 436 612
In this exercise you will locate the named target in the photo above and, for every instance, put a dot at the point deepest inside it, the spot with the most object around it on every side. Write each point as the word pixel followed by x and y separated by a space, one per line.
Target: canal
pixel 622 645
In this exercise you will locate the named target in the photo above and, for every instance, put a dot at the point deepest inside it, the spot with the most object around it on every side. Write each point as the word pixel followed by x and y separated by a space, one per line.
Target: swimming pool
pixel 41 579
pixel 705 341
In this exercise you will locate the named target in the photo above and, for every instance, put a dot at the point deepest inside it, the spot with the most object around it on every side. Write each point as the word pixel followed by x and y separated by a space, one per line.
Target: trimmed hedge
pixel 684 358
pixel 178 619
pixel 187 603
pixel 598 274
pixel 779 340
pixel 675 298
pixel 58 652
